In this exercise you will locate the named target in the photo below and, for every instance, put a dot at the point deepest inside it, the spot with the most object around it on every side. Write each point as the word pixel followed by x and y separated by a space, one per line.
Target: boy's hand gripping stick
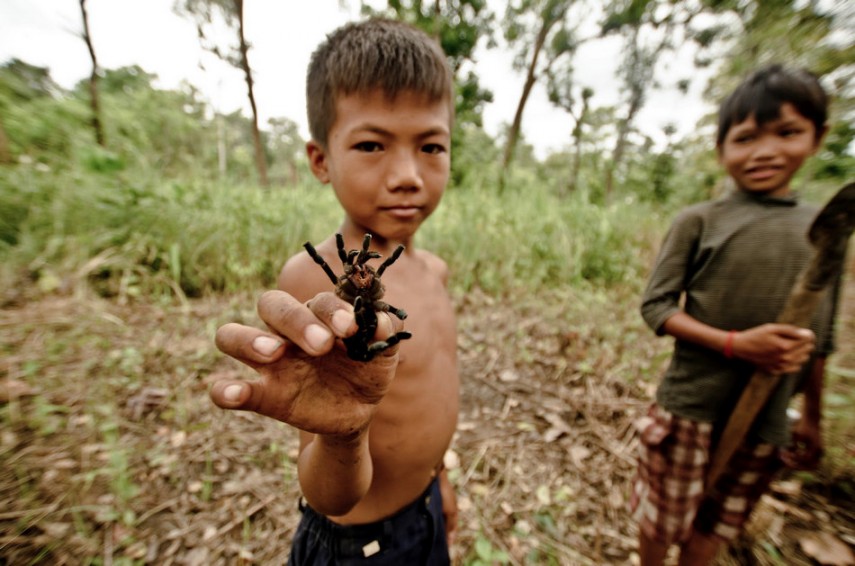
pixel 828 235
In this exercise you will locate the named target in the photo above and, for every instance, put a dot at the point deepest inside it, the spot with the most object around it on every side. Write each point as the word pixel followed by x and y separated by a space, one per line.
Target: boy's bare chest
pixel 430 316
pixel 427 364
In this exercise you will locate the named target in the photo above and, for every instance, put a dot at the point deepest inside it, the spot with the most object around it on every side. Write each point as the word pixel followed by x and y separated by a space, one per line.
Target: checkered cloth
pixel 668 491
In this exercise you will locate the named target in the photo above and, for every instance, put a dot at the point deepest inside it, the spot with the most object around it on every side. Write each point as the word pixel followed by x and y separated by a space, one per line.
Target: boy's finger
pixel 335 313
pixel 292 319
pixel 237 395
pixel 249 345
pixel 338 315
pixel 795 333
pixel 387 325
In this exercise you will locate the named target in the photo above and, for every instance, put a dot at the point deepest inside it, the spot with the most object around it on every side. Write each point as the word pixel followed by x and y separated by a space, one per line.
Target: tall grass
pixel 535 240
pixel 130 236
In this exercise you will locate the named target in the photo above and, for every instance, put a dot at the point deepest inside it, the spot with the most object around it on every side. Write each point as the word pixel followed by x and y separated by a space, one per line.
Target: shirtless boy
pixel 372 434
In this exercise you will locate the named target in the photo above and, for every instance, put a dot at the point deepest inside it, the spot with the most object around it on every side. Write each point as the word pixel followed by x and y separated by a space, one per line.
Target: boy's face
pixel 388 161
pixel 764 158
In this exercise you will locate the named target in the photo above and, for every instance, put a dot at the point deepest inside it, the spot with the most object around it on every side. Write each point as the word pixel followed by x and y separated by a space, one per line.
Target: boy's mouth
pixel 761 173
pixel 403 210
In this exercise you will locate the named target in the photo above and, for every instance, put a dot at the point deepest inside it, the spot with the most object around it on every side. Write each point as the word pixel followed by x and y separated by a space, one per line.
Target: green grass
pixel 130 237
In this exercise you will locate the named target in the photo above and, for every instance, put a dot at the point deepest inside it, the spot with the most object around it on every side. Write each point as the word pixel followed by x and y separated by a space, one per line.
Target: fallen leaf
pixel 578 454
pixel 558 428
pixel 543 495
pixel 785 508
pixel 827 549
pixel 793 488
pixel 209 533
pixel 178 438
pixel 508 375
pixel 451 460
pixel 11 389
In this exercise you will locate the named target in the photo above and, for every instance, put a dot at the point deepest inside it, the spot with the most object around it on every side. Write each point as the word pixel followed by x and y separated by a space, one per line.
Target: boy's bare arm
pixel 776 348
pixel 307 381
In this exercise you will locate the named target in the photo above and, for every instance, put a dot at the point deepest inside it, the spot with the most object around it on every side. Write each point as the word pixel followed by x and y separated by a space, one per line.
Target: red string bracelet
pixel 728 344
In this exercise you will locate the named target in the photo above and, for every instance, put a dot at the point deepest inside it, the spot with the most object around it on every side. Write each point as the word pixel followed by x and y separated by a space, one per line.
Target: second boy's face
pixel 764 158
pixel 388 161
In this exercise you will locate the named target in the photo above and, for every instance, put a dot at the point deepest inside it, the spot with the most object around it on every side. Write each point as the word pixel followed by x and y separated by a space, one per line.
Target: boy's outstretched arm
pixel 307 381
pixel 775 348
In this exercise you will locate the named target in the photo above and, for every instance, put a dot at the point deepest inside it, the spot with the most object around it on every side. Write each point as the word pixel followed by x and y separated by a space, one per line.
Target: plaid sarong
pixel 668 491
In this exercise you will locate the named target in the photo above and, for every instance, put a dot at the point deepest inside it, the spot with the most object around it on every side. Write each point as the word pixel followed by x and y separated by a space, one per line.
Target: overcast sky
pixel 283 34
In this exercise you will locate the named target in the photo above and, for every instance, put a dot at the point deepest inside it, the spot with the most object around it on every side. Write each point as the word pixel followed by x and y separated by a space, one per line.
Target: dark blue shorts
pixel 414 535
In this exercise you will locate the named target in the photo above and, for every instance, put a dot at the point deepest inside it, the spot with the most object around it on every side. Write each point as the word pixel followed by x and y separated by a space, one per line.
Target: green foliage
pixel 807 34
pixel 170 208
pixel 625 13
pixel 529 238
pixel 129 237
pixel 48 129
pixel 486 554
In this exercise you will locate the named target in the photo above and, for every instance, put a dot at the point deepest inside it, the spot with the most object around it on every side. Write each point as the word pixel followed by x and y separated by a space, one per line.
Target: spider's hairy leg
pixel 386 307
pixel 364 254
pixel 320 261
pixel 366 317
pixel 381 345
pixel 339 244
pixel 390 260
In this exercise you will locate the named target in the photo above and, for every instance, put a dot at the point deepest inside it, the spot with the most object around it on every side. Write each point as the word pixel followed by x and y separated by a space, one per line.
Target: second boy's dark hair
pixel 763 93
pixel 383 54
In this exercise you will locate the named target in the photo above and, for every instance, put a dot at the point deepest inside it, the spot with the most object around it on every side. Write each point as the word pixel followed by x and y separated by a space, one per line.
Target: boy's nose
pixel 404 172
pixel 767 146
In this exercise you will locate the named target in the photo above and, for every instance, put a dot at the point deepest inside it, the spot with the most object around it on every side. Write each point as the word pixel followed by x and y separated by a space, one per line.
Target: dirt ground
pixel 111 452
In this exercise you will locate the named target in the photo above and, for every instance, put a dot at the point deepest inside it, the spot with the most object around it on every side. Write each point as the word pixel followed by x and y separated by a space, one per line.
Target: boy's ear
pixel 820 137
pixel 318 161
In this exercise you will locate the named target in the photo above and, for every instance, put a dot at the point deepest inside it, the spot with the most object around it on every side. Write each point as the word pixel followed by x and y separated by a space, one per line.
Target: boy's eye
pixel 433 148
pixel 368 146
pixel 743 138
pixel 789 132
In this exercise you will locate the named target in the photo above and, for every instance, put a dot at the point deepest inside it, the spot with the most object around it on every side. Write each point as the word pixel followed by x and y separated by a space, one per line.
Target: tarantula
pixel 360 285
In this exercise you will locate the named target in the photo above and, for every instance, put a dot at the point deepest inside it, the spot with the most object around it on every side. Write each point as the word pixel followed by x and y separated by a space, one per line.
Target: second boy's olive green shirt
pixel 731 264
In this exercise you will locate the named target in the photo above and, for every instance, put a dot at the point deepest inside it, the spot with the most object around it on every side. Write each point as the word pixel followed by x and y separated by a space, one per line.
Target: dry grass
pixel 117 456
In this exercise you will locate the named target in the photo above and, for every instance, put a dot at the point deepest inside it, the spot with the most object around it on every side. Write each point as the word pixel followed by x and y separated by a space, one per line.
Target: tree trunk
pixel 577 145
pixel 260 160
pixel 531 77
pixel 620 144
pixel 221 147
pixel 93 80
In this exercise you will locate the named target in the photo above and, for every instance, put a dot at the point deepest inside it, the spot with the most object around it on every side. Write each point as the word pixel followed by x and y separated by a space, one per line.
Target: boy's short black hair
pixel 763 92
pixel 376 54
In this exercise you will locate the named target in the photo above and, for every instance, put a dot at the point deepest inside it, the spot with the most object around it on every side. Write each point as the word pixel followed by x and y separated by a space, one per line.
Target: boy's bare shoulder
pixel 303 278
pixel 435 264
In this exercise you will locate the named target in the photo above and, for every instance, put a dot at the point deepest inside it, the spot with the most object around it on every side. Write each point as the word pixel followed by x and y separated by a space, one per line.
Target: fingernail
pixel 316 336
pixel 341 321
pixel 232 392
pixel 265 345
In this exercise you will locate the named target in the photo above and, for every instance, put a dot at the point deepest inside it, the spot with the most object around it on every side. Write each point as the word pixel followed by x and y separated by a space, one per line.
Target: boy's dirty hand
pixel 805 450
pixel 306 378
pixel 775 348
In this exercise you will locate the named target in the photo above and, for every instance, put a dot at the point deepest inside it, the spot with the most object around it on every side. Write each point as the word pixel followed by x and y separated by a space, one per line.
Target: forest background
pixel 134 220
